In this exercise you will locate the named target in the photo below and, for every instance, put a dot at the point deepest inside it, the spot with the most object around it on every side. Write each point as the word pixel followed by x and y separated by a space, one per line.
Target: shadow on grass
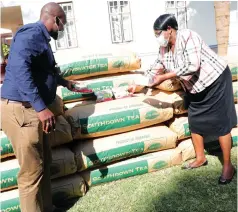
pixel 67 204
pixel 204 196
pixel 195 191
pixel 167 191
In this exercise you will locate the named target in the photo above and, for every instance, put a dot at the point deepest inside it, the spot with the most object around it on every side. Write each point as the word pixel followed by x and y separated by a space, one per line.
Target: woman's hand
pixel 131 89
pixel 162 77
pixel 157 80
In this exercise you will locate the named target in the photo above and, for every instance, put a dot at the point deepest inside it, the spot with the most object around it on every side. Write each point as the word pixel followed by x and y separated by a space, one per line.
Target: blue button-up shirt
pixel 30 72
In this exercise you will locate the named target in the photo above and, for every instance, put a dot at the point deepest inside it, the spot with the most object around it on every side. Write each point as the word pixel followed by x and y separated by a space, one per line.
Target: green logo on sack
pixel 9 178
pixel 11 205
pixel 151 114
pixel 159 165
pixel 234 140
pixel 111 121
pixel 84 67
pixel 234 70
pixel 235 92
pixel 119 172
pixel 118 64
pixel 186 129
pixel 99 86
pixel 115 154
pixel 6 147
pixel 155 146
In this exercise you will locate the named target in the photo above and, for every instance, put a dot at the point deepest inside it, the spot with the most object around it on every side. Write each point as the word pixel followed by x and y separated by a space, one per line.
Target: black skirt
pixel 212 111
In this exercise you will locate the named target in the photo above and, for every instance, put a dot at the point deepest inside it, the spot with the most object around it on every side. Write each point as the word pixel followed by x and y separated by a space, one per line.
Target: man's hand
pixel 70 85
pixel 48 120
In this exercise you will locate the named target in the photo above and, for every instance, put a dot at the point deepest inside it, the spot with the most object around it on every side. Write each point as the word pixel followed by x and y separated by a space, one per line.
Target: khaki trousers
pixel 30 145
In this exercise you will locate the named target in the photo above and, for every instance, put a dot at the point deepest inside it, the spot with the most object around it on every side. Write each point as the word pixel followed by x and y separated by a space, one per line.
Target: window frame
pixel 75 37
pixel 120 13
pixel 175 11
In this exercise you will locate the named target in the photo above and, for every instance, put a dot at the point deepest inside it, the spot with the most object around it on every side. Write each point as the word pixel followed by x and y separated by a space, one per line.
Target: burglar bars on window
pixel 70 37
pixel 120 21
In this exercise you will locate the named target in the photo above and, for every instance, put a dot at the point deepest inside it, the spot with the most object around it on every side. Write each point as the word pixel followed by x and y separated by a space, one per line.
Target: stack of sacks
pixel 100 151
pixel 63 162
pixel 103 69
pixel 97 62
pixel 236 107
pixel 235 91
pixel 212 143
pixel 65 182
pixel 123 129
pixel 62 190
pixel 171 91
pixel 233 65
pixel 134 166
pixel 180 126
pixel 6 147
pixel 98 84
pixel 177 98
pixel 123 115
pixel 62 134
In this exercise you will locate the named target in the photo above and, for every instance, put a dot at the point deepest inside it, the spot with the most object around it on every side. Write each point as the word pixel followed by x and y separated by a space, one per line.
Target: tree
pixel 222 17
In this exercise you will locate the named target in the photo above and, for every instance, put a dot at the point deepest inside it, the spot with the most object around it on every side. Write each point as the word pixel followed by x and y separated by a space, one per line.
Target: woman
pixel 207 80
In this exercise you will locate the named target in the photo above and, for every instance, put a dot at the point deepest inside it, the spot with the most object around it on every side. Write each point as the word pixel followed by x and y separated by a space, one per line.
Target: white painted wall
pixel 93 28
pixel 203 21
pixel 233 38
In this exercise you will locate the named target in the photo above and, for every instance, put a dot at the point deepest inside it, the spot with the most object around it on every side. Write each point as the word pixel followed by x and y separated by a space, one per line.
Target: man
pixel 29 87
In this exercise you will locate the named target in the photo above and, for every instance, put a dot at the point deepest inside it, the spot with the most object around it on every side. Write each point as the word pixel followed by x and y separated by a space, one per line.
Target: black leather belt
pixel 24 104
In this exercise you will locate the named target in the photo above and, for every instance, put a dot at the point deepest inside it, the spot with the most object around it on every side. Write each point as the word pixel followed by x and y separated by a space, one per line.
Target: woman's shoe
pixel 188 166
pixel 223 181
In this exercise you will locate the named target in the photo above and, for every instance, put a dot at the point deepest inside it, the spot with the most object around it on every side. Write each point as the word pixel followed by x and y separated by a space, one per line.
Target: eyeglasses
pixel 157 34
pixel 59 21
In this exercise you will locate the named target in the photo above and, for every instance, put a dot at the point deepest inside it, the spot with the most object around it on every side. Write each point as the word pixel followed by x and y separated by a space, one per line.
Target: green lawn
pixel 168 190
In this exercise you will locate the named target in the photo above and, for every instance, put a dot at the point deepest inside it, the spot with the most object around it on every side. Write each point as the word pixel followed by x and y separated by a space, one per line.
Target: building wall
pixel 203 20
pixel 93 28
pixel 233 38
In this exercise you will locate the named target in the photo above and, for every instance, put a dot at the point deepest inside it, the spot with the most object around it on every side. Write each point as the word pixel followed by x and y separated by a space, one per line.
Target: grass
pixel 168 190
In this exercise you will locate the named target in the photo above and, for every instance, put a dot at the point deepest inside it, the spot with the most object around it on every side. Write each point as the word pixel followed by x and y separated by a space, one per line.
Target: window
pixel 70 36
pixel 170 4
pixel 179 10
pixel 120 21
